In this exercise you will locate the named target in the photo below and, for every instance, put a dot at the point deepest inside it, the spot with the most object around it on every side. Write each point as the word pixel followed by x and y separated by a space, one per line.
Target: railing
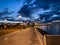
pixel 51 29
pixel 53 33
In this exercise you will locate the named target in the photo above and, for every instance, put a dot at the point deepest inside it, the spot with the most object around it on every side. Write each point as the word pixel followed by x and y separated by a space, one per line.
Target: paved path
pixel 23 37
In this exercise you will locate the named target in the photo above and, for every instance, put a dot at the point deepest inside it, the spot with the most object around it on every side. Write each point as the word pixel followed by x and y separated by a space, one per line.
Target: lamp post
pixel 5 21
pixel 20 22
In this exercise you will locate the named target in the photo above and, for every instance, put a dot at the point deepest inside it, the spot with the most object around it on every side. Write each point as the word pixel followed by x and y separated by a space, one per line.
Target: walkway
pixel 23 37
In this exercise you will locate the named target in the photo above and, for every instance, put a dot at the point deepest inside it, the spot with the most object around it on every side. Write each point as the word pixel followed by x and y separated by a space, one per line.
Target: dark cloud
pixel 39 9
pixel 25 11
pixel 44 8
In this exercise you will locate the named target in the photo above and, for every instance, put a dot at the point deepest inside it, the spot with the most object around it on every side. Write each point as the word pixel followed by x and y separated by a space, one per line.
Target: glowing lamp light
pixel 5 20
pixel 19 17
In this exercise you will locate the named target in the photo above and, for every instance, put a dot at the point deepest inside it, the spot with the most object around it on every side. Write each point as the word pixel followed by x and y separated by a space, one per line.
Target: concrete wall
pixel 40 37
pixel 52 40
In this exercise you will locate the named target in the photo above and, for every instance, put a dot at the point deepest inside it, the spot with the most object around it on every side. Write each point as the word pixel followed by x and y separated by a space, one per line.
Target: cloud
pixel 42 9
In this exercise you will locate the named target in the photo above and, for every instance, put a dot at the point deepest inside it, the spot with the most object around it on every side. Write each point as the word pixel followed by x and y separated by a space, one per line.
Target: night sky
pixel 43 10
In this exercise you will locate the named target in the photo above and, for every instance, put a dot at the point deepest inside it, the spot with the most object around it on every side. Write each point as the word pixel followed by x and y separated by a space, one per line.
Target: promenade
pixel 20 37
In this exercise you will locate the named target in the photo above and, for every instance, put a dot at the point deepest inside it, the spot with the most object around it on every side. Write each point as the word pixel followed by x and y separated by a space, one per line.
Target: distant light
pixel 19 17
pixel 5 20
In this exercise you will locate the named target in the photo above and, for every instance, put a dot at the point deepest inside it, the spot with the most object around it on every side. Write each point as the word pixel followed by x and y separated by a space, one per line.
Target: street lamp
pixel 19 17
pixel 5 21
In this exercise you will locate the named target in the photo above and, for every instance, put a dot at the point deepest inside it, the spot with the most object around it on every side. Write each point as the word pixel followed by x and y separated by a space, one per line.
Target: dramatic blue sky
pixel 44 10
pixel 12 5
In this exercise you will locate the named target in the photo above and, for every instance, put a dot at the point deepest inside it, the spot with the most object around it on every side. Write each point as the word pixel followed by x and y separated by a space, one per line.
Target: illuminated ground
pixel 20 37
pixel 4 31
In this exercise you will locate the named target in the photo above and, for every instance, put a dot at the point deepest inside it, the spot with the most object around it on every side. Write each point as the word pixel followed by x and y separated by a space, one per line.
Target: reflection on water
pixel 53 28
